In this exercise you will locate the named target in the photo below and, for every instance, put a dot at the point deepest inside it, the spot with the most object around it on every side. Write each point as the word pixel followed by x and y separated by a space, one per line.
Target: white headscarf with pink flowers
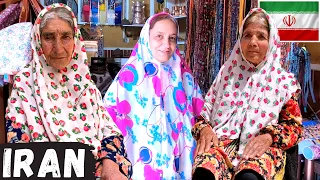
pixel 245 98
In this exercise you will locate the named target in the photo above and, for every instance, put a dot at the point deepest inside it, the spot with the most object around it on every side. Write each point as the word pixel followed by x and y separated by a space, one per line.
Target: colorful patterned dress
pixel 246 101
pixel 271 165
pixel 154 105
pixel 64 105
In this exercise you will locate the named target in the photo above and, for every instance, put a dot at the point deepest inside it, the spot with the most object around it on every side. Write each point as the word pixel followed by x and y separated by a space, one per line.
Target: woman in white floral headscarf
pixel 54 99
pixel 251 114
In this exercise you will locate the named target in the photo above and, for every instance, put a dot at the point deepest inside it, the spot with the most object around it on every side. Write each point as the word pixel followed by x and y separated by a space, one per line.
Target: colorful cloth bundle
pixel 311 130
pixel 310 146
pixel 10 15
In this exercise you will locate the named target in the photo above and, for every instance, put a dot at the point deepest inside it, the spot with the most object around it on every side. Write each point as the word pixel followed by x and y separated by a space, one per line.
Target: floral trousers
pixel 271 165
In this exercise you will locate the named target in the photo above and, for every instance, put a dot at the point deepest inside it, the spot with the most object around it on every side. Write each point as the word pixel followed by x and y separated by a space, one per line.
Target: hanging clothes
pixel 200 36
pixel 10 15
pixel 211 34
pixel 285 48
pixel 296 60
pixel 218 39
pixel 307 88
pixel 231 27
pixel 254 4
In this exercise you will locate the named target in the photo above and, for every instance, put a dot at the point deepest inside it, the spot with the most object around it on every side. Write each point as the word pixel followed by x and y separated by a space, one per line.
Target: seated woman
pixel 251 114
pixel 54 99
pixel 154 100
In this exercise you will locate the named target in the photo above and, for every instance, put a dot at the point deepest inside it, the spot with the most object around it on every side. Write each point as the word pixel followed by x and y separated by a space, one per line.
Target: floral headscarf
pixel 245 98
pixel 154 105
pixel 59 105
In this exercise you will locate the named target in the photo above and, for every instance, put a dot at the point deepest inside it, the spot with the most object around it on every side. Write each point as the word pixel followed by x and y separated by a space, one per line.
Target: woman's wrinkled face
pixel 57 43
pixel 163 40
pixel 254 43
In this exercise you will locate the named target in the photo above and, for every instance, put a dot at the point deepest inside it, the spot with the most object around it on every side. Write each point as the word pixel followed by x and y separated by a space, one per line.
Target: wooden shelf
pixel 98 24
pixel 133 25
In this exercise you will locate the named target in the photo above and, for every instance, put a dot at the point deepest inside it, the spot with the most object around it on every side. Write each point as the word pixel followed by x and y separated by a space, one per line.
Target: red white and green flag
pixel 295 20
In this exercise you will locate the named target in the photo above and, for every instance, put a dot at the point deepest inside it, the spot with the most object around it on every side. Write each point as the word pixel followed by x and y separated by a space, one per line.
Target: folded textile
pixel 10 15
pixel 311 129
pixel 15 51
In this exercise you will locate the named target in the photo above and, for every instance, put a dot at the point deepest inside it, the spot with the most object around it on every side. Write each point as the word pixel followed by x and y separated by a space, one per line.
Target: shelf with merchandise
pixel 84 17
pixel 98 12
pixel 141 25
pixel 133 25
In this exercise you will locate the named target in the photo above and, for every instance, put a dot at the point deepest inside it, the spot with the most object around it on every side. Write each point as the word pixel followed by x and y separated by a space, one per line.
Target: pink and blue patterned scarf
pixel 154 105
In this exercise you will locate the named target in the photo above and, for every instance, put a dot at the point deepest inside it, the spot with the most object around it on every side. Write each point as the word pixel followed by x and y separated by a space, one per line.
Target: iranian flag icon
pixel 295 20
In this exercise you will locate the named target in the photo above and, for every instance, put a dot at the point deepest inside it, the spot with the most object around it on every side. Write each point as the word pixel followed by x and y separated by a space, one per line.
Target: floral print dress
pixel 64 105
pixel 271 165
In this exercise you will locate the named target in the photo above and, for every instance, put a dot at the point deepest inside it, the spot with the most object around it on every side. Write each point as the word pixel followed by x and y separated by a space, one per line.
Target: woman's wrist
pixel 205 127
pixel 110 164
pixel 269 138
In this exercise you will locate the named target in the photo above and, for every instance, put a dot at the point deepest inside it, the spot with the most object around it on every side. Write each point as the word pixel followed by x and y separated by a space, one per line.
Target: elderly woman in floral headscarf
pixel 54 99
pixel 251 115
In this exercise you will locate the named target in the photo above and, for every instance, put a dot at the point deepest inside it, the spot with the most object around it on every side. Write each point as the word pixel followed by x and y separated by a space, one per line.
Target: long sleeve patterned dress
pixel 271 165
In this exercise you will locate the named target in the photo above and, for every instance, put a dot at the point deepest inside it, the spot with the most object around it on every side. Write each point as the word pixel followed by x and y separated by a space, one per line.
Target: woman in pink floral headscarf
pixel 154 100
pixel 54 99
pixel 251 115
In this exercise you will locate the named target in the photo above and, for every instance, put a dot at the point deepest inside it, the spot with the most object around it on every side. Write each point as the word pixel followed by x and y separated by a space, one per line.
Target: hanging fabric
pixel 254 4
pixel 307 88
pixel 10 15
pixel 297 61
pixel 200 37
pixel 189 31
pixel 293 61
pixel 218 39
pixel 30 14
pixel 211 34
pixel 231 27
pixel 285 49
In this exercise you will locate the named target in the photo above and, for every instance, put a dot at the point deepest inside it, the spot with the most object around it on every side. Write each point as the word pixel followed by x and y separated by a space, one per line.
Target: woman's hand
pixel 257 146
pixel 207 138
pixel 110 171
